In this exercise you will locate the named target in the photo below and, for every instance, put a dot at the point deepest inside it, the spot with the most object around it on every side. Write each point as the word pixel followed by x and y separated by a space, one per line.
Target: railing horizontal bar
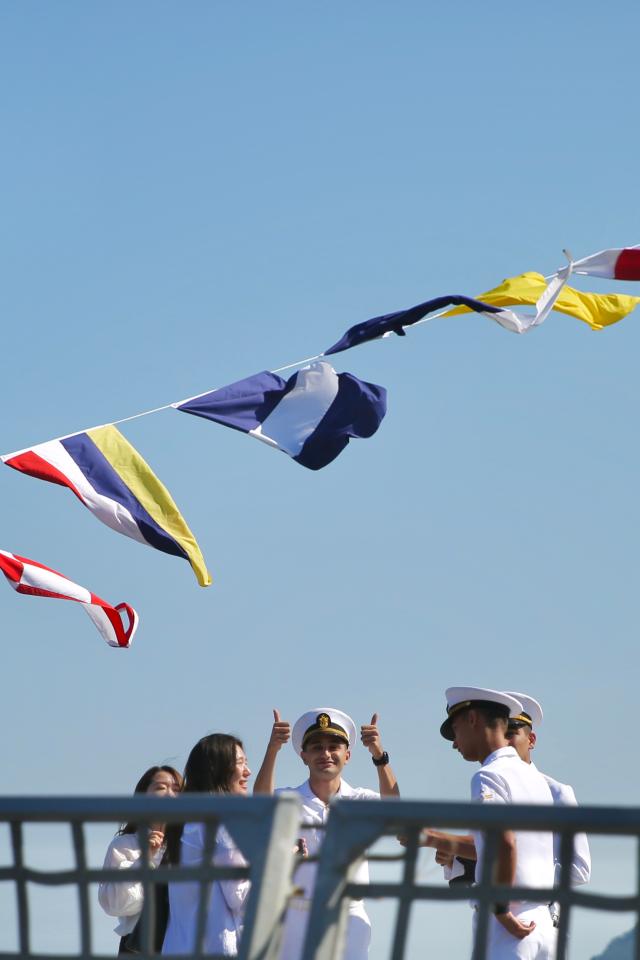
pixel 372 891
pixel 206 872
pixel 5 955
pixel 187 808
pixel 398 815
pixel 390 814
pixel 594 901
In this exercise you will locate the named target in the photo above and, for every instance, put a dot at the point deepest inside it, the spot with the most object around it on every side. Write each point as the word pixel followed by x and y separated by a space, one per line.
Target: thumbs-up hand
pixel 370 736
pixel 280 732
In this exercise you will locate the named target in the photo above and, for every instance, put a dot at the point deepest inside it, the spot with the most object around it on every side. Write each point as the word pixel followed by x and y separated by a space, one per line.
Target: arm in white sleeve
pixel 123 899
pixel 564 796
pixel 226 854
pixel 581 863
pixel 486 787
pixel 489 787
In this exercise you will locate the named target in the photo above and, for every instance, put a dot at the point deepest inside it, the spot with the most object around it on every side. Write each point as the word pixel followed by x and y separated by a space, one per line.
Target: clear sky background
pixel 195 192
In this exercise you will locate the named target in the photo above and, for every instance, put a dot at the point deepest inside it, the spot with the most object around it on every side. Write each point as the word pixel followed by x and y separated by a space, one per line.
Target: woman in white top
pixel 217 764
pixel 124 900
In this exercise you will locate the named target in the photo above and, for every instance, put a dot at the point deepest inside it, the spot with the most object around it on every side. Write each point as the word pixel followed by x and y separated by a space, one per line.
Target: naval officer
pixel 521 735
pixel 476 723
pixel 323 738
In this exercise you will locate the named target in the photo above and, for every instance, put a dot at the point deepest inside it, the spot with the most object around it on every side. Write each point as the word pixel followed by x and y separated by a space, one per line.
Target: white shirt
pixel 124 900
pixel 225 910
pixel 315 813
pixel 564 796
pixel 505 778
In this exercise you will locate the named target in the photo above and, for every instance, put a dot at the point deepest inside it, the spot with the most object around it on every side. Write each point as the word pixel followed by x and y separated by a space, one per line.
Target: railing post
pixel 77 834
pixel 21 889
pixel 272 860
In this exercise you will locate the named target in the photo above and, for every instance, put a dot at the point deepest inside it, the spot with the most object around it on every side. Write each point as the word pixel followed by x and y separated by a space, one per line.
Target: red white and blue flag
pixel 36 580
pixel 113 481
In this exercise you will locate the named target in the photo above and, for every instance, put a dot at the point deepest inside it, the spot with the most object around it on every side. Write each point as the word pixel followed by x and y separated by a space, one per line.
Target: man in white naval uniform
pixel 322 738
pixel 477 724
pixel 521 736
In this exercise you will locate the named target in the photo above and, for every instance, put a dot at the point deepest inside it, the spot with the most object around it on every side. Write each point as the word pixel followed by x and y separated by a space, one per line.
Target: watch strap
pixel 381 761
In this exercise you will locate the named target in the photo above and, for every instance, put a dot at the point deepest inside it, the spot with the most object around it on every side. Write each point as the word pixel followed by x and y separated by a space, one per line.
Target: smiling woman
pixel 217 764
pixel 125 900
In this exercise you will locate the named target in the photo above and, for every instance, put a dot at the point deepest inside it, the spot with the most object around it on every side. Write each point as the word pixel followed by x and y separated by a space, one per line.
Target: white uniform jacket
pixel 225 909
pixel 315 814
pixel 124 900
pixel 563 796
pixel 505 778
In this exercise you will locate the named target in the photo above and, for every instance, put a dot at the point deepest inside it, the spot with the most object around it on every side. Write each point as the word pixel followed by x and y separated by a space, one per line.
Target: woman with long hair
pixel 216 765
pixel 125 900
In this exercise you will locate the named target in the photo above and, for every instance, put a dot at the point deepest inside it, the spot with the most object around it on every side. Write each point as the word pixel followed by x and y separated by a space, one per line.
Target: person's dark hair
pixel 211 764
pixel 209 768
pixel 495 716
pixel 143 785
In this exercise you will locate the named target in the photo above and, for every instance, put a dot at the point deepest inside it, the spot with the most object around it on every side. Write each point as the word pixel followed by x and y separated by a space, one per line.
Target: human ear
pixel 347 756
pixel 532 740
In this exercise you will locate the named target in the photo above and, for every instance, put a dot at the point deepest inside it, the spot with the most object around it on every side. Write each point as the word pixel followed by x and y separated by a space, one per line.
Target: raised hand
pixel 155 840
pixel 370 736
pixel 280 732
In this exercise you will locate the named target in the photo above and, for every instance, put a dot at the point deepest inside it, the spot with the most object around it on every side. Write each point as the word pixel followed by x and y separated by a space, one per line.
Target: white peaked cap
pixel 530 708
pixel 323 720
pixel 459 698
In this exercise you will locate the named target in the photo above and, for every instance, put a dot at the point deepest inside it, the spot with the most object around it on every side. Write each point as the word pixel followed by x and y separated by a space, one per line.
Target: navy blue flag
pixel 311 417
pixel 395 322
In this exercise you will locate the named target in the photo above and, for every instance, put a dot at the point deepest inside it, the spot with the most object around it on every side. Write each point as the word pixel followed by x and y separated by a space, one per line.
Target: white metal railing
pixel 353 828
pixel 266 829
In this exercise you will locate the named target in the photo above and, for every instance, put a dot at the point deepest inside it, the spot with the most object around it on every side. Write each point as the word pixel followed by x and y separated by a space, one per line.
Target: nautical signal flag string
pixel 312 416
pixel 36 580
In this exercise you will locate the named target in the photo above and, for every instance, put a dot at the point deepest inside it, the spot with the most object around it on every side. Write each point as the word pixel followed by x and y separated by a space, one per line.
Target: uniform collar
pixel 508 753
pixel 345 790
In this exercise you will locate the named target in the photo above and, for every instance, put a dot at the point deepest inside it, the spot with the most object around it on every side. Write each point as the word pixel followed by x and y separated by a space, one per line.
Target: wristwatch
pixel 382 761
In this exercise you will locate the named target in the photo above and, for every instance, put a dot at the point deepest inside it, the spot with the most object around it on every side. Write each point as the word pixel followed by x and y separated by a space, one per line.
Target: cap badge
pixel 323 720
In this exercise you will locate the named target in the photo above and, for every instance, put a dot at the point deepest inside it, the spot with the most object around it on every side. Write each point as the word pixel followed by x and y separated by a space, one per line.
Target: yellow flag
pixel 598 310
pixel 141 505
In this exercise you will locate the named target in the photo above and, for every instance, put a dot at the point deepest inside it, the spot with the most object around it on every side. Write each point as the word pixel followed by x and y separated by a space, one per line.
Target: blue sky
pixel 195 192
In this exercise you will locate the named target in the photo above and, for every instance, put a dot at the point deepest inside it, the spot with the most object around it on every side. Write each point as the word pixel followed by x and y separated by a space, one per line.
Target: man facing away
pixel 477 725
pixel 323 738
pixel 521 736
